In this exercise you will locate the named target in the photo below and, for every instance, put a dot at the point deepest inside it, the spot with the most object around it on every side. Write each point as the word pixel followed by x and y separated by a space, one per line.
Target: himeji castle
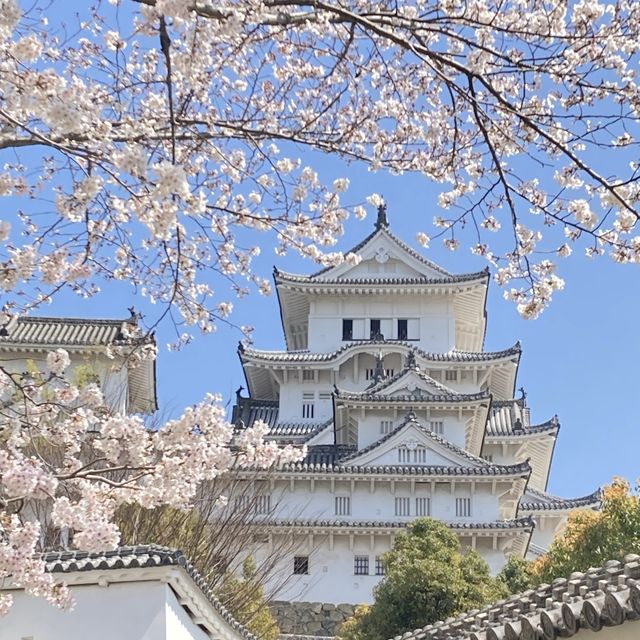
pixel 386 381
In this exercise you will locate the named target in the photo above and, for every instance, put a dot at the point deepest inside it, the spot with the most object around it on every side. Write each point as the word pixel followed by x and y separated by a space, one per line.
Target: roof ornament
pixel 411 360
pixel 411 417
pixel 517 426
pixel 382 220
pixel 523 396
pixel 379 374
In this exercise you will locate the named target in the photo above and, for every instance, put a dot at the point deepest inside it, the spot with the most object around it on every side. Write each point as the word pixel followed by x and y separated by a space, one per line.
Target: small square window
pixel 423 506
pixel 361 565
pixel 451 375
pixel 386 426
pixel 437 426
pixel 488 457
pixel 308 375
pixel 301 565
pixel 463 507
pixel 379 566
pixel 402 507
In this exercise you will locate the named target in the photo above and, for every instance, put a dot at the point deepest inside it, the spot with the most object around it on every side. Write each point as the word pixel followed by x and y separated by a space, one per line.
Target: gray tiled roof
pixel 387 382
pixel 66 332
pixel 292 278
pixel 550 426
pixel 517 523
pixel 141 556
pixel 450 356
pixel 424 396
pixel 329 459
pixel 604 596
pixel 533 500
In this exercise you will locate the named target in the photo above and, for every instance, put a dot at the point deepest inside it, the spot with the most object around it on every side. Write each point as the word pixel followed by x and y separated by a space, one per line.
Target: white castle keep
pixel 404 414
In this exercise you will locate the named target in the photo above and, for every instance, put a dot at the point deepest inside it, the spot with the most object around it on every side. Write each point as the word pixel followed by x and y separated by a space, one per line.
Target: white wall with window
pixel 430 321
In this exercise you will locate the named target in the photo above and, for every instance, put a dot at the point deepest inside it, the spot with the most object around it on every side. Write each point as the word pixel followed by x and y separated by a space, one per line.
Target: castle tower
pixel 404 414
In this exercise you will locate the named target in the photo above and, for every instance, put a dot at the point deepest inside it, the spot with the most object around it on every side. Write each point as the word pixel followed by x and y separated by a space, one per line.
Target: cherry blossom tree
pixel 157 142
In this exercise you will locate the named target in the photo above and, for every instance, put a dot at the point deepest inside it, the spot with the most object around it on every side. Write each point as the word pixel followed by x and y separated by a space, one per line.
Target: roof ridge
pixel 69 561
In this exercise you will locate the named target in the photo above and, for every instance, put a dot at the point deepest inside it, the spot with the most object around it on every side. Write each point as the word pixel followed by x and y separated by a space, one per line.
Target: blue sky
pixel 580 358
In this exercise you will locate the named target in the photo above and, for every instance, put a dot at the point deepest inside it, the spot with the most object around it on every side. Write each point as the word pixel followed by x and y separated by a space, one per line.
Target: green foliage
pixel 428 578
pixel 517 575
pixel 83 374
pixel 245 598
pixel 591 537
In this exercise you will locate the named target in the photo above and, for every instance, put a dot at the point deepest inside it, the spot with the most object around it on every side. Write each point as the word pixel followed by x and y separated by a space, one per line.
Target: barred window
pixel 308 375
pixel 307 405
pixel 263 504
pixel 423 506
pixel 379 566
pixel 386 426
pixel 300 565
pixel 402 507
pixel 241 503
pixel 415 456
pixel 437 426
pixel 463 507
pixel 343 505
pixel 451 375
pixel 361 565
pixel 488 457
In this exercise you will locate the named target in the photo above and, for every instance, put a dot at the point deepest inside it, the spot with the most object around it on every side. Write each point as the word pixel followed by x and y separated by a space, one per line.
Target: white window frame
pixel 386 426
pixel 308 405
pixel 342 505
pixel 437 426
pixel 423 507
pixel 402 507
pixel 463 507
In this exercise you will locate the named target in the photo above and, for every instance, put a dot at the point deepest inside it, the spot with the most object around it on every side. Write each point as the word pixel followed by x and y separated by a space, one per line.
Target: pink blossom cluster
pixel 67 461
pixel 168 164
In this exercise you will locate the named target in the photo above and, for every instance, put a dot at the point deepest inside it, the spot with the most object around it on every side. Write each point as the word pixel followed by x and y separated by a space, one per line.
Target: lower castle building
pixel 386 382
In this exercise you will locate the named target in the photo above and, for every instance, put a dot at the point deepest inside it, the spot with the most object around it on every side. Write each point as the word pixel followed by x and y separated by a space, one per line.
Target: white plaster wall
pixel 331 568
pixel 113 377
pixel 369 427
pixel 434 314
pixel 126 611
pixel 302 503
pixel 291 397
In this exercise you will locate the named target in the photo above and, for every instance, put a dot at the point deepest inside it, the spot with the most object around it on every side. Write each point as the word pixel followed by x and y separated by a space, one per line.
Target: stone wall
pixel 310 618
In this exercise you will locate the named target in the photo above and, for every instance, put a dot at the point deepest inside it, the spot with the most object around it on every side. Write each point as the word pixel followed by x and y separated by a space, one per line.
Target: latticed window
pixel 343 505
pixel 412 456
pixel 241 503
pixel 361 565
pixel 451 375
pixel 263 504
pixel 437 426
pixel 379 566
pixel 308 405
pixel 403 507
pixel 308 375
pixel 423 506
pixel 300 565
pixel 386 426
pixel 488 457
pixel 463 507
